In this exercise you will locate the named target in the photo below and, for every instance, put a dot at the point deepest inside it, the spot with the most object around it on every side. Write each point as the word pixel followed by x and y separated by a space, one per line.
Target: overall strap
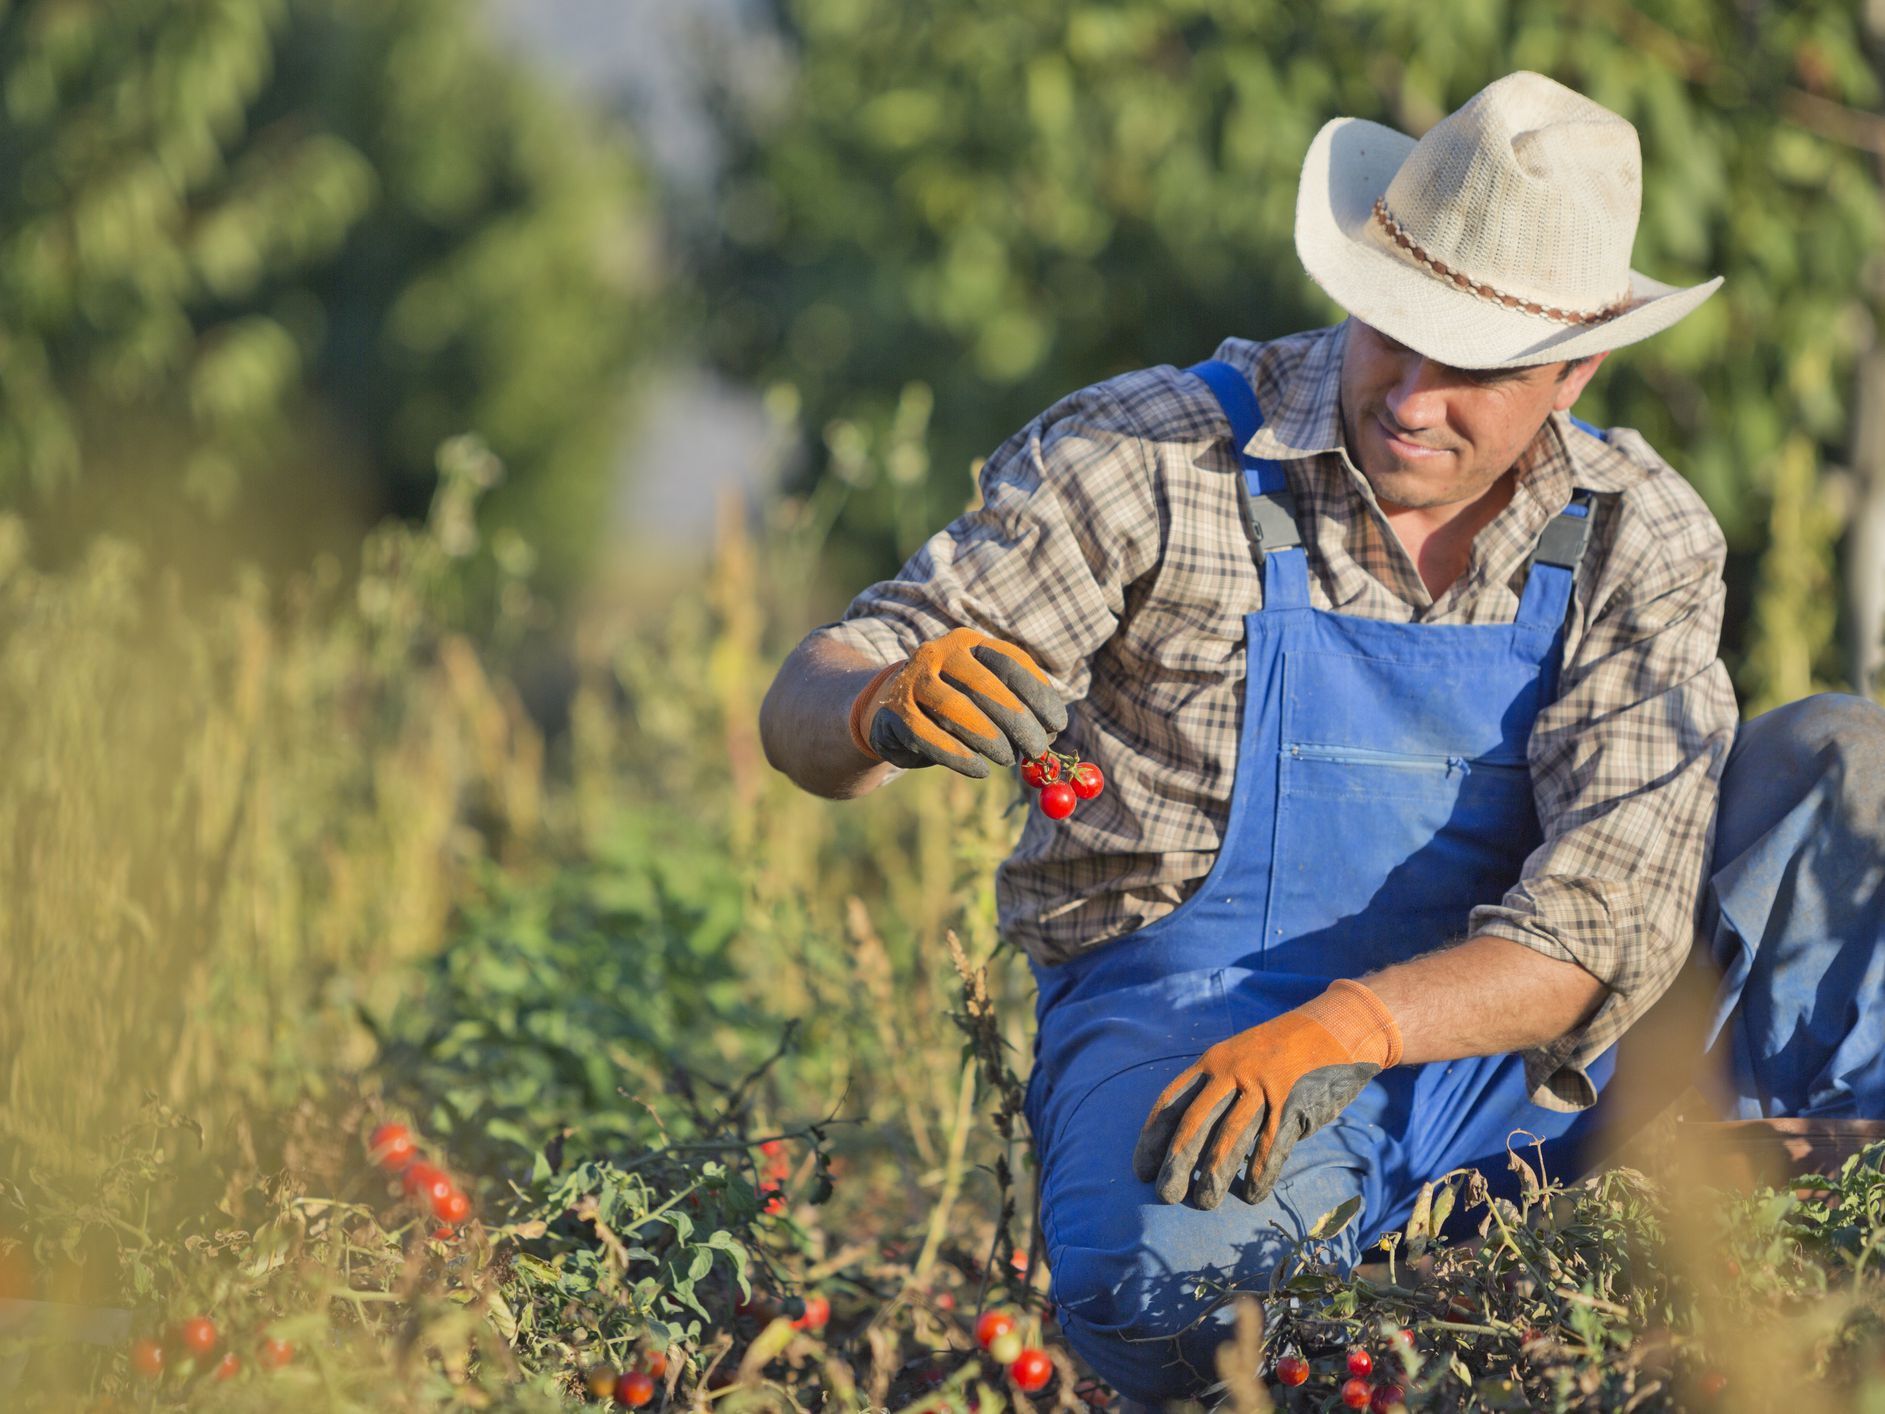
pixel 1552 570
pixel 1554 562
pixel 1268 505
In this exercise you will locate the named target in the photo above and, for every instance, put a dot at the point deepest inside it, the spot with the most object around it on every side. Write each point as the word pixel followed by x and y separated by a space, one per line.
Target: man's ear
pixel 1575 380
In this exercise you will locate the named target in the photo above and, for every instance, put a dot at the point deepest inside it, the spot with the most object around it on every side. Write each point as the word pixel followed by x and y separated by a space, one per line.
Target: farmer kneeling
pixel 1405 684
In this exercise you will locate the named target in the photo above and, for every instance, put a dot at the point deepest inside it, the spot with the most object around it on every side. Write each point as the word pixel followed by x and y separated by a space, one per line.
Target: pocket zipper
pixel 1362 756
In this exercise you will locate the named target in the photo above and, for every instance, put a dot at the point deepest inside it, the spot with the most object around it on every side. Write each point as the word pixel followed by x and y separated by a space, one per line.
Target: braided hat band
pixel 1460 280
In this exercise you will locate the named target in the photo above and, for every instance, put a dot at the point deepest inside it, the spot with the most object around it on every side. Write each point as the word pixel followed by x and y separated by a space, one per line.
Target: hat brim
pixel 1349 165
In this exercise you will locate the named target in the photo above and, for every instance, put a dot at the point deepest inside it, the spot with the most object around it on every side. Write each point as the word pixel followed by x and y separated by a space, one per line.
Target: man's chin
pixel 1404 490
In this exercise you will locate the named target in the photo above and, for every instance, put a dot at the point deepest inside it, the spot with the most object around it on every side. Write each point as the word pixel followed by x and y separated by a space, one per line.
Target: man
pixel 1414 730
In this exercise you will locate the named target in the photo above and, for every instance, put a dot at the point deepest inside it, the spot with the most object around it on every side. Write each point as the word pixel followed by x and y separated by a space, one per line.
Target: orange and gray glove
pixel 1263 1090
pixel 960 701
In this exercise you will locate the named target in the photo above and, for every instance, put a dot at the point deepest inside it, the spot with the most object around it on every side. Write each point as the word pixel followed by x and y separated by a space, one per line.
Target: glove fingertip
pixel 1172 1186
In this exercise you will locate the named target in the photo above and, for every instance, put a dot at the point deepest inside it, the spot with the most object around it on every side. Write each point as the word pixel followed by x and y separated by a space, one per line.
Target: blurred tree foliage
pixel 269 253
pixel 989 203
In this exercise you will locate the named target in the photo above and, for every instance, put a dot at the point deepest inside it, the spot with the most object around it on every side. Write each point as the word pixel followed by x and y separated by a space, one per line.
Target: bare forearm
pixel 1484 997
pixel 804 723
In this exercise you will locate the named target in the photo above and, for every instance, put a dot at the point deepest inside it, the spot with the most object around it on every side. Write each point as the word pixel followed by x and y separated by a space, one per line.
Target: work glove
pixel 1246 1101
pixel 959 695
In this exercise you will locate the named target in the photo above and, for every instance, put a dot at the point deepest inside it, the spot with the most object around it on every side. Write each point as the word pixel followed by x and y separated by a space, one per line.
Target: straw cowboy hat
pixel 1500 239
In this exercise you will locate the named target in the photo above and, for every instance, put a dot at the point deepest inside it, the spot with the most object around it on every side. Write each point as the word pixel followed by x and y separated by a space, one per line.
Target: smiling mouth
pixel 1404 447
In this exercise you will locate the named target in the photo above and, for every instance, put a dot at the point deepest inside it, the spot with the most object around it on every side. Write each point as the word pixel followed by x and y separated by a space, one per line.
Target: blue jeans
pixel 1793 921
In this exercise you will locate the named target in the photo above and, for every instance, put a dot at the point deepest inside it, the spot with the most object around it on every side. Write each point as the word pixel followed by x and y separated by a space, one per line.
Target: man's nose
pixel 1417 398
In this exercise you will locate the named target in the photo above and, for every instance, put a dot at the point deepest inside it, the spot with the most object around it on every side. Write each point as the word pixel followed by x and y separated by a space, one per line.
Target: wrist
pixel 1359 1021
pixel 862 708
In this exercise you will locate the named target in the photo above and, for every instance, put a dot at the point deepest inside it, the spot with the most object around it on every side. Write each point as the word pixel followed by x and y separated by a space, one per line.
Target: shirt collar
pixel 1307 419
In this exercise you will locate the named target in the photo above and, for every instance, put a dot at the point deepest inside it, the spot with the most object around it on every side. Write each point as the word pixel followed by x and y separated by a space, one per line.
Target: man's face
pixel 1428 435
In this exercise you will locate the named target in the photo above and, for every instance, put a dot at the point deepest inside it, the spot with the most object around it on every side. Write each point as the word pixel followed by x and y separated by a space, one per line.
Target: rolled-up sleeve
pixel 1626 765
pixel 1066 519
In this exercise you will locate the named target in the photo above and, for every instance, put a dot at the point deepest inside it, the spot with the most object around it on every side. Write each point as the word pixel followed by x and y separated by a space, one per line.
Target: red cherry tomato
pixel 1387 1398
pixel 1360 1362
pixel 634 1389
pixel 1058 800
pixel 817 1312
pixel 1031 1369
pixel 655 1362
pixel 1292 1369
pixel 198 1335
pixel 1356 1393
pixel 1713 1383
pixel 1088 780
pixel 228 1366
pixel 453 1208
pixel 413 1182
pixel 1404 1338
pixel 391 1147
pixel 1033 774
pixel 991 1325
pixel 147 1358
pixel 277 1353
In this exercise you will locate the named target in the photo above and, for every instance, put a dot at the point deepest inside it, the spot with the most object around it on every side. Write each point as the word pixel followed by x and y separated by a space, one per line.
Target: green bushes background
pixel 352 768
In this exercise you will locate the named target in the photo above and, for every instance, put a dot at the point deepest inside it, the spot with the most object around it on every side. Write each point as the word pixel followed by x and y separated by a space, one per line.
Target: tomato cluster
pixel 198 1338
pixel 391 1146
pixel 634 1386
pixel 1063 781
pixel 1357 1391
pixel 1027 1365
pixel 778 1168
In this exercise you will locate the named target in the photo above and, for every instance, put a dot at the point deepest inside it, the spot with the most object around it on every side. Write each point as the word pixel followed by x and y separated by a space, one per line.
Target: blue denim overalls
pixel 1381 792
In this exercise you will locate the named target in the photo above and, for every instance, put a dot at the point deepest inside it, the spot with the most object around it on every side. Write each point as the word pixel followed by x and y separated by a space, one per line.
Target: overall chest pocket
pixel 1403 801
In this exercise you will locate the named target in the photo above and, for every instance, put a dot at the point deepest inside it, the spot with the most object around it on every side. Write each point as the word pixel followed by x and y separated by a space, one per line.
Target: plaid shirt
pixel 1107 543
